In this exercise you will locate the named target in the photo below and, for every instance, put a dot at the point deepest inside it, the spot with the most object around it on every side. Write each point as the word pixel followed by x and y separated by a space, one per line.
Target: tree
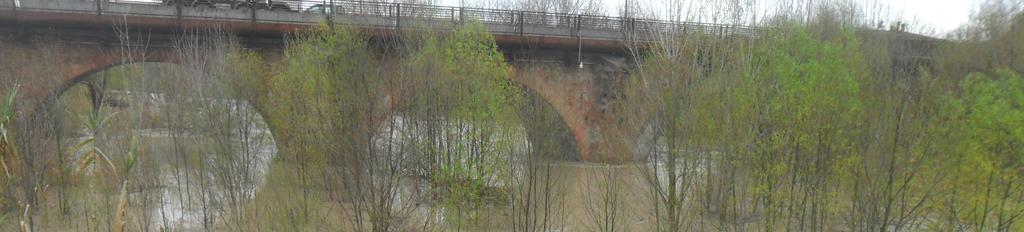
pixel 988 161
pixel 465 104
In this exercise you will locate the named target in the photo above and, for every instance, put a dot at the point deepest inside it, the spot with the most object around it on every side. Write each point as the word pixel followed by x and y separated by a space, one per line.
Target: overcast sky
pixel 943 15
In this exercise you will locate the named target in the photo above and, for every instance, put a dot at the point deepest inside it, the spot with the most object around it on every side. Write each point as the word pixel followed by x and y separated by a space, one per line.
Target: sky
pixel 943 15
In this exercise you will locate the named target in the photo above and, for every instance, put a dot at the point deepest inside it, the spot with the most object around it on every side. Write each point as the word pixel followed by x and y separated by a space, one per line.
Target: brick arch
pixel 571 106
pixel 579 96
pixel 546 130
pixel 75 64
pixel 100 62
pixel 81 62
pixel 575 97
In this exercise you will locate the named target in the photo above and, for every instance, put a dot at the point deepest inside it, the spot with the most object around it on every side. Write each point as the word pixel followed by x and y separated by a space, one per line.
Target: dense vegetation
pixel 814 125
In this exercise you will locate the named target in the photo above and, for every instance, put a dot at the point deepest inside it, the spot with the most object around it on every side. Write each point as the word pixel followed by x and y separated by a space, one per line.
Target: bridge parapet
pixel 368 15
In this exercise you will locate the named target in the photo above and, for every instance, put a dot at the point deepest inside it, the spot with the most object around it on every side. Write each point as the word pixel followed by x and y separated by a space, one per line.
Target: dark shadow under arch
pixel 44 112
pixel 546 131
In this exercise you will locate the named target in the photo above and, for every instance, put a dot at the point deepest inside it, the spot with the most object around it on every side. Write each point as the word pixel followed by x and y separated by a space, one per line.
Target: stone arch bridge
pixel 595 46
pixel 89 35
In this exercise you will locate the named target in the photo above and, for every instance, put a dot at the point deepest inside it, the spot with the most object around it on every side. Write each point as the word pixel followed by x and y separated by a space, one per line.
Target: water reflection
pixel 211 157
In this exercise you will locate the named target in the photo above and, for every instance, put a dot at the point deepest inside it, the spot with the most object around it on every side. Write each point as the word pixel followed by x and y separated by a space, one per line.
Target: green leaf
pixel 80 145
pixel 133 152
pixel 7 110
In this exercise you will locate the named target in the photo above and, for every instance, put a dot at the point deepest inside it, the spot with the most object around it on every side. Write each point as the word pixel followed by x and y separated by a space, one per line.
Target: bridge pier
pixel 581 97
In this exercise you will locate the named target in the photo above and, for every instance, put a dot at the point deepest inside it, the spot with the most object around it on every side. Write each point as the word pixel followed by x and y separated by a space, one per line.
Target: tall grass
pixel 8 154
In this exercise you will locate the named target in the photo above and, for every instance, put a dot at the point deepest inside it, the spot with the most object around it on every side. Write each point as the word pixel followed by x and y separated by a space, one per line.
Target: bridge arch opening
pixel 189 125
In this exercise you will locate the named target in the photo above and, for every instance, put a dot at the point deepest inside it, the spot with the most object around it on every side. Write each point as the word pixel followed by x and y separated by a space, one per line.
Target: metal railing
pixel 547 19
pixel 383 14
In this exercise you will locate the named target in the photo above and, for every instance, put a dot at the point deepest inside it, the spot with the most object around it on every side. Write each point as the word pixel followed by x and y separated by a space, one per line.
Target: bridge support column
pixel 581 98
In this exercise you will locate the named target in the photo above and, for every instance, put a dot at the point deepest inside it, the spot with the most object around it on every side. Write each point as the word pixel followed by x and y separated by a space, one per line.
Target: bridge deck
pixel 509 27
